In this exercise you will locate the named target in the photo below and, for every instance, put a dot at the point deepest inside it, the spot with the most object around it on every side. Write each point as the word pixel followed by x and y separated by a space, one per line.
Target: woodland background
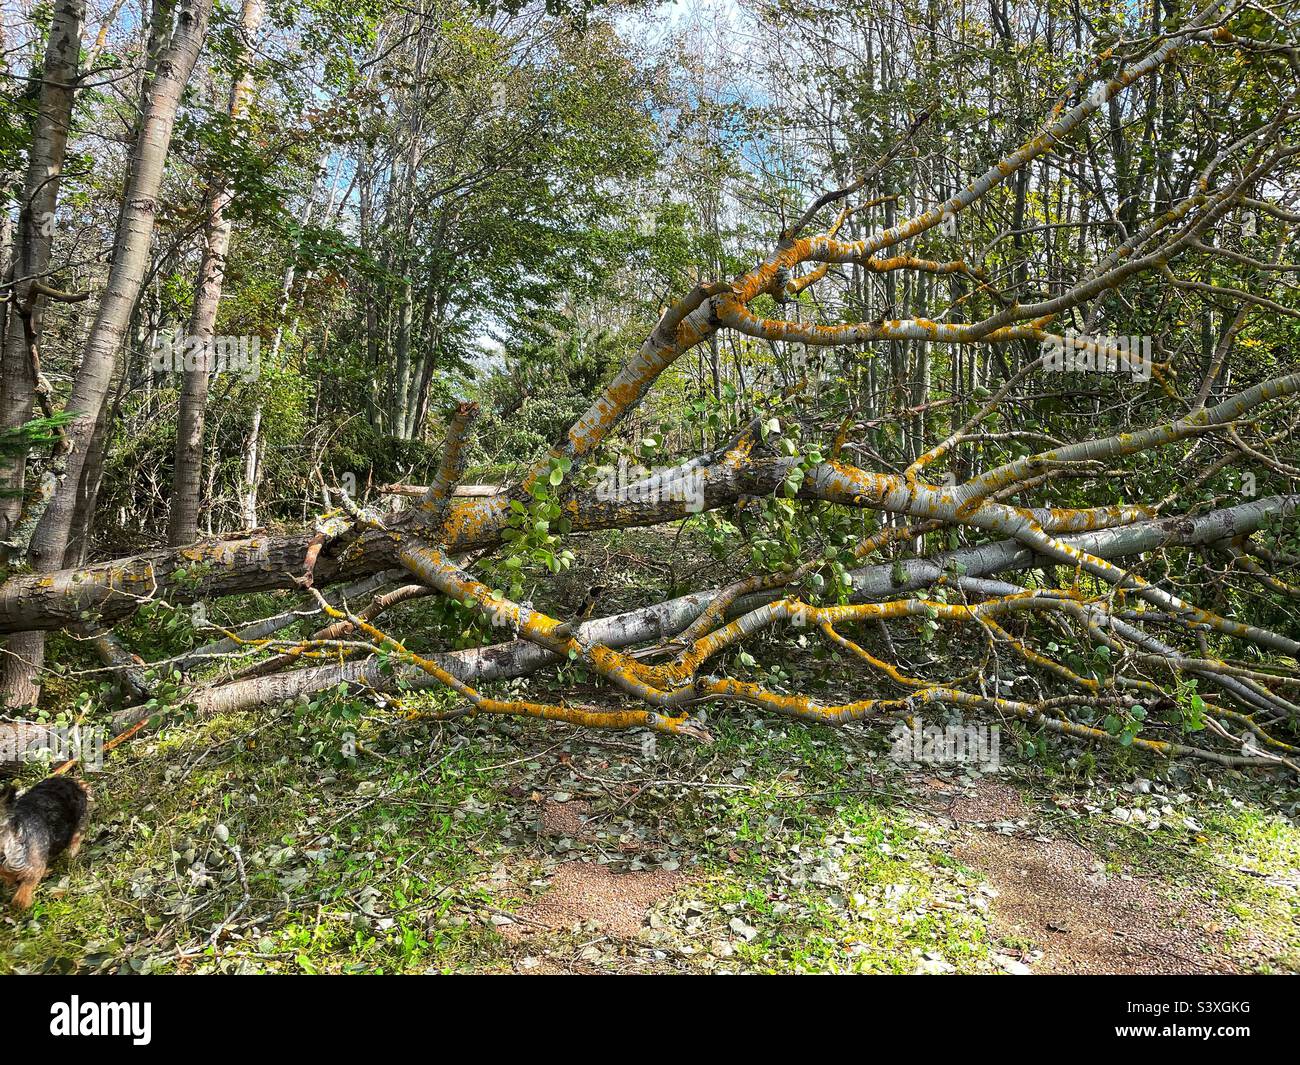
pixel 393 209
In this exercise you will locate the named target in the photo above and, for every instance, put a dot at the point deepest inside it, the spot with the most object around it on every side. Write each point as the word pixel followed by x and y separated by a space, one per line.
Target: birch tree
pixel 178 29
pixel 184 520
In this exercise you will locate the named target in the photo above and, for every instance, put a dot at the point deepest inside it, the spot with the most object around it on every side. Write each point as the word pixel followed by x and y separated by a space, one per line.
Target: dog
pixel 35 828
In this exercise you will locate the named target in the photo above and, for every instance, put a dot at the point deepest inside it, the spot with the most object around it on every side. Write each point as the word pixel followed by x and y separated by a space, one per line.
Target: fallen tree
pixel 518 658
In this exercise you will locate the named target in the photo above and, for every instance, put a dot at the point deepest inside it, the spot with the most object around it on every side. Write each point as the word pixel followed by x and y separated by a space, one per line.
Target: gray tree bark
pixel 872 583
pixel 178 49
pixel 30 260
pixel 33 240
pixel 183 524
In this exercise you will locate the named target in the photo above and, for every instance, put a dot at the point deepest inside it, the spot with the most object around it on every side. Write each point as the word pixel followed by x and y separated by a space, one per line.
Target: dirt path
pixel 1057 907
pixel 599 899
pixel 582 899
pixel 1062 898
pixel 1085 920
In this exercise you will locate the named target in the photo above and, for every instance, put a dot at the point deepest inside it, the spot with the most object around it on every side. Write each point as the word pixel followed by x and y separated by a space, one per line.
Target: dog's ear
pixel 7 794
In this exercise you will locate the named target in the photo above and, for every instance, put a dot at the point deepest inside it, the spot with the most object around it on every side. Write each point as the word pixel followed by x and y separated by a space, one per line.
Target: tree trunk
pixel 878 582
pixel 29 260
pixel 183 525
pixel 34 239
pixel 161 99
pixel 401 416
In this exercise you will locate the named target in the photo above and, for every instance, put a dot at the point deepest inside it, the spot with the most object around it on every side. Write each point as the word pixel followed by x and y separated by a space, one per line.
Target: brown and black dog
pixel 35 828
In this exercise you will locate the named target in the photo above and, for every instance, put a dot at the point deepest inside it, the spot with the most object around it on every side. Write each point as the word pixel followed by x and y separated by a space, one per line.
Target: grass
pixel 1241 859
pixel 337 862
pixel 250 843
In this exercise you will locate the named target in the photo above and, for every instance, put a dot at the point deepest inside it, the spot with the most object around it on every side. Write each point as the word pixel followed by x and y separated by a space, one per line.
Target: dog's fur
pixel 35 828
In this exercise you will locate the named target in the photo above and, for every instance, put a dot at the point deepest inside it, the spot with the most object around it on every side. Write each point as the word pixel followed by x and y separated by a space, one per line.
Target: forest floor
pixel 251 843
pixel 238 845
